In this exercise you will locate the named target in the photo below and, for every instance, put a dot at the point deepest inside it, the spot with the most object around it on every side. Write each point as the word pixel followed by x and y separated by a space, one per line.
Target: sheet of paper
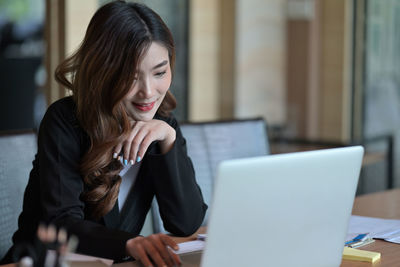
pixel 386 229
pixel 190 246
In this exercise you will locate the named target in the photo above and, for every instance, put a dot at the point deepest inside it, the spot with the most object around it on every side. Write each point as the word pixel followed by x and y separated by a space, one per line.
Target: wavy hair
pixel 99 74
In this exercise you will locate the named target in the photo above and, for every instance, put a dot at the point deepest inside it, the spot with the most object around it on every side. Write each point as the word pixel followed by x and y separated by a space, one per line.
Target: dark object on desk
pixel 48 249
pixel 17 151
pixel 35 251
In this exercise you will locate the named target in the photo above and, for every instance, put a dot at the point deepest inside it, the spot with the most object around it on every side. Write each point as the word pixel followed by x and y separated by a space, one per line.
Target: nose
pixel 145 88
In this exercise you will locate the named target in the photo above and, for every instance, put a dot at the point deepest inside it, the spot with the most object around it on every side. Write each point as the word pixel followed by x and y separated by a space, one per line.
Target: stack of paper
pixel 385 229
pixel 192 246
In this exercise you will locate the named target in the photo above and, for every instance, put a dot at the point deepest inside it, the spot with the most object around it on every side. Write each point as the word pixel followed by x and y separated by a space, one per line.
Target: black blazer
pixel 55 185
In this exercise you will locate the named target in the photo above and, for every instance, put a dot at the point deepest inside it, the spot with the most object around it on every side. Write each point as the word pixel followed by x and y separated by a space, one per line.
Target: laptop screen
pixel 284 210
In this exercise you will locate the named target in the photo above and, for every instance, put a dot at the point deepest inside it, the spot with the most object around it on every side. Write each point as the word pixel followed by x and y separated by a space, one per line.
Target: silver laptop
pixel 283 210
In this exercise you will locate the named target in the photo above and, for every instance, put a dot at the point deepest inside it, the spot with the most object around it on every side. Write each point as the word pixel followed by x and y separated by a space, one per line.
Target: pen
pixel 356 239
pixel 362 243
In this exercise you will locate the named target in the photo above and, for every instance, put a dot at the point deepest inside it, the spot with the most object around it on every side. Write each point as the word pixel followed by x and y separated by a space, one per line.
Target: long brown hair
pixel 99 74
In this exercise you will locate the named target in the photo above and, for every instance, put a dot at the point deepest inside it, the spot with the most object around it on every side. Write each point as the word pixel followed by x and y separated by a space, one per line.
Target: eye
pixel 160 74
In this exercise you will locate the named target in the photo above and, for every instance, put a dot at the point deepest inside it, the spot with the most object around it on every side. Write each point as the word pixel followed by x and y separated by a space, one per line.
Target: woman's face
pixel 150 85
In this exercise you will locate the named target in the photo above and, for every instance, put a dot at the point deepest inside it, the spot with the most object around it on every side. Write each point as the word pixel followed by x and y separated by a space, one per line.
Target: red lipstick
pixel 144 106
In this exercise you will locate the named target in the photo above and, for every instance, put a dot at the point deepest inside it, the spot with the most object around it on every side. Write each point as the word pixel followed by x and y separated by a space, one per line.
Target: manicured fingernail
pixel 131 162
pixel 125 162
pixel 138 159
pixel 119 158
pixel 115 155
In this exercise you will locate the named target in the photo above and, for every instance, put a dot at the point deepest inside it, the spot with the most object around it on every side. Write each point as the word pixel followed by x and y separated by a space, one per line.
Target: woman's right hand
pixel 155 248
pixel 141 135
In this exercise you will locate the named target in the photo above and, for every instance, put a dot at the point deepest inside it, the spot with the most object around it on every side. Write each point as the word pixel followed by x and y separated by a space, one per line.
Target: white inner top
pixel 128 175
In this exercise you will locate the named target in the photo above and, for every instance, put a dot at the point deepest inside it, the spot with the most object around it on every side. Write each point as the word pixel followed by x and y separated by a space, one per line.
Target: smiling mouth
pixel 144 106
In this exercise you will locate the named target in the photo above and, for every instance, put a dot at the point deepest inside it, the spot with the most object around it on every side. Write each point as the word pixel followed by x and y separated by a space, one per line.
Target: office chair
pixel 17 151
pixel 212 142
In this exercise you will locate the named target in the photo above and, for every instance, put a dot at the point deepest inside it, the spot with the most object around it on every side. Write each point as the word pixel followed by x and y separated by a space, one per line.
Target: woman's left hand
pixel 142 134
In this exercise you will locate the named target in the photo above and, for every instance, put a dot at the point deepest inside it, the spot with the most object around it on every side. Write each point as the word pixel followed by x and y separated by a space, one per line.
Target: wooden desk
pixel 383 204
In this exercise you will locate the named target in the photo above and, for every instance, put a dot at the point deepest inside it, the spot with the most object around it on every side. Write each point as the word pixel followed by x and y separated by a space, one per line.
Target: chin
pixel 142 117
pixel 145 116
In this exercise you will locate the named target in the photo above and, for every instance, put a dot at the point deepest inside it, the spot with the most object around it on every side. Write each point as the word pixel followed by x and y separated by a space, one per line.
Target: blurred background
pixel 322 73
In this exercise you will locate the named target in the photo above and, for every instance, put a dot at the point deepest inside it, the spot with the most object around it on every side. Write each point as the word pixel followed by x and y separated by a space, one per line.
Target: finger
pixel 62 236
pixel 175 257
pixel 150 137
pixel 126 149
pixel 141 255
pixel 137 143
pixel 128 142
pixel 117 150
pixel 51 233
pixel 62 241
pixel 133 142
pixel 169 242
pixel 42 232
pixel 152 251
pixel 162 249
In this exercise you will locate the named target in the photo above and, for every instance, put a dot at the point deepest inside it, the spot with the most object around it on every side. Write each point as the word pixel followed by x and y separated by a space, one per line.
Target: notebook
pixel 283 210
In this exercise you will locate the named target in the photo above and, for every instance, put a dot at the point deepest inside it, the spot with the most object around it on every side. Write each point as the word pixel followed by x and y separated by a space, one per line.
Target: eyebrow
pixel 165 62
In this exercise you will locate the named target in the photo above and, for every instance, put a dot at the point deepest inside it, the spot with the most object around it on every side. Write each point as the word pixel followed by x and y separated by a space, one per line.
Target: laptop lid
pixel 283 210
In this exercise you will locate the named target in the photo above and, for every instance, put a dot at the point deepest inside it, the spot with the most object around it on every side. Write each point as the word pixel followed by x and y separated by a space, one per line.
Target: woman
pixel 116 124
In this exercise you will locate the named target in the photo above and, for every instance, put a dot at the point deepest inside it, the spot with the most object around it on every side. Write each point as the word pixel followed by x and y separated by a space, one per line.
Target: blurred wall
pixel 204 36
pixel 77 17
pixel 319 97
pixel 260 73
pixel 237 60
pixel 66 23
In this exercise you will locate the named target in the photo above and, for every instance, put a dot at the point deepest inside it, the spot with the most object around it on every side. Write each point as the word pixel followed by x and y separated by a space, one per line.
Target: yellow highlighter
pixel 360 255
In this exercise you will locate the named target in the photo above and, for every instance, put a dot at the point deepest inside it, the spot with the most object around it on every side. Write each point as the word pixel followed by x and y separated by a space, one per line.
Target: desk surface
pixel 383 204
